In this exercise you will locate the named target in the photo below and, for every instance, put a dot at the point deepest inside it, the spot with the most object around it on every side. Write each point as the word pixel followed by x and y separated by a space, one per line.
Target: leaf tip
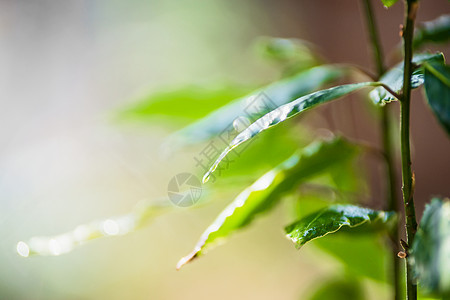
pixel 186 259
pixel 206 177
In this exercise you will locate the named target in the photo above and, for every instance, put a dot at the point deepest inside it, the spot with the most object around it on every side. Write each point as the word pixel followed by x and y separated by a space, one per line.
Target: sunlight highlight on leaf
pixel 313 160
pixel 332 219
pixel 66 242
pixel 287 111
pixel 389 3
pixel 394 78
pixel 278 93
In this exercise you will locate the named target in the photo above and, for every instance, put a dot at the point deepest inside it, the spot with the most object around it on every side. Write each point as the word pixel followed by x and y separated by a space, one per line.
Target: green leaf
pixel 185 103
pixel 388 3
pixel 430 251
pixel 268 190
pixel 257 103
pixel 428 297
pixel 365 257
pixel 437 89
pixel 332 219
pixel 282 49
pixel 339 289
pixel 286 111
pixel 252 162
pixel 435 31
pixel 293 54
pixel 56 245
pixel 368 256
pixel 394 78
pixel 349 177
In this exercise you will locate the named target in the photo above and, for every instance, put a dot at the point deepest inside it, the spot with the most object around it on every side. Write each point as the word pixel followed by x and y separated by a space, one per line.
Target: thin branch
pixel 387 88
pixel 375 41
pixel 387 153
pixel 360 69
pixel 407 174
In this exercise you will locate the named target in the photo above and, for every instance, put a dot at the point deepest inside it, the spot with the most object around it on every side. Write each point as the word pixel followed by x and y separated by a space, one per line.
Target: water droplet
pixel 23 249
pixel 241 123
pixel 54 247
pixel 81 233
pixel 110 227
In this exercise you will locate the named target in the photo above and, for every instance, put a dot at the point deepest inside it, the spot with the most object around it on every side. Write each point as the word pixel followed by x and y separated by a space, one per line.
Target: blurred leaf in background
pixel 220 116
pixel 347 288
pixel 142 214
pixel 263 154
pixel 292 55
pixel 430 251
pixel 268 190
pixel 435 31
pixel 259 102
pixel 437 91
pixel 389 3
pixel 182 104
pixel 362 255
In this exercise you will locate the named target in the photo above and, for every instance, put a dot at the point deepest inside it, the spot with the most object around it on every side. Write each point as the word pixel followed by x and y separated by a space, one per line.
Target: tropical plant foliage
pixel 308 82
pixel 332 219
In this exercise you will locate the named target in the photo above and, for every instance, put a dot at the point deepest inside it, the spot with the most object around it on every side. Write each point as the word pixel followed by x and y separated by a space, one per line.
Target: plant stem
pixel 375 41
pixel 392 201
pixel 407 175
pixel 391 198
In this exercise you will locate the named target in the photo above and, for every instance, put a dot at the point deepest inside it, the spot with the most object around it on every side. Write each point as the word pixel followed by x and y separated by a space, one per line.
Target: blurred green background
pixel 68 66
